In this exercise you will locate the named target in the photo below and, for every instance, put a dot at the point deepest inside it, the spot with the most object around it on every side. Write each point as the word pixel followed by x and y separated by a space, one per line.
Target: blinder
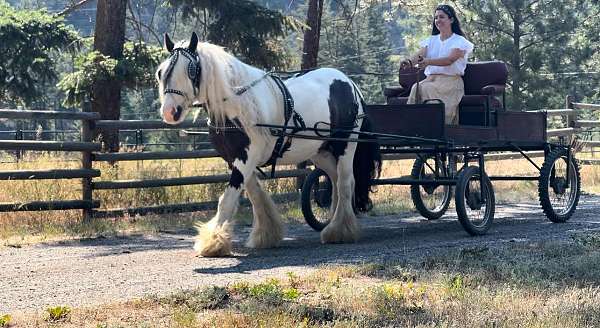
pixel 194 69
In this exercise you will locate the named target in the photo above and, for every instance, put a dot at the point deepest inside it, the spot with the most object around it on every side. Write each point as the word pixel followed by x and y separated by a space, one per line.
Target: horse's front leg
pixel 267 230
pixel 214 237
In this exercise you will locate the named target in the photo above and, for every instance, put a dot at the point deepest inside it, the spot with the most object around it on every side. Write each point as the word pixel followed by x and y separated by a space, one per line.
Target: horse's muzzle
pixel 173 114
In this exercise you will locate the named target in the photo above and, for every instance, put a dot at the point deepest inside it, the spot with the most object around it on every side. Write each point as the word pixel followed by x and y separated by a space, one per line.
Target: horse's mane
pixel 221 73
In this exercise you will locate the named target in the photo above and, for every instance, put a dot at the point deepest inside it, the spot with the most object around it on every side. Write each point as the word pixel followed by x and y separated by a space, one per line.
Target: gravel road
pixel 106 270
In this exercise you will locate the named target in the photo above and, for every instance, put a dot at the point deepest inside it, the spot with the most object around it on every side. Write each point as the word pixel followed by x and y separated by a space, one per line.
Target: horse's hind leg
pixel 214 237
pixel 343 227
pixel 326 162
pixel 267 230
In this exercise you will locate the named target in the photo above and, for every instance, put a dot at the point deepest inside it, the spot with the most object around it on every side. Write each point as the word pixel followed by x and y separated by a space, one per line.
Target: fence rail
pixel 90 153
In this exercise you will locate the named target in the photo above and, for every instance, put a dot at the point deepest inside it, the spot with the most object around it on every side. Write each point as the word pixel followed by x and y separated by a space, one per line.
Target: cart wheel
pixel 316 199
pixel 431 201
pixel 558 193
pixel 474 202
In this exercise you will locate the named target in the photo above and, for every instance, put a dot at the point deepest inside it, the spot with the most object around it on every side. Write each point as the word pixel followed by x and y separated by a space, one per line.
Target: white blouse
pixel 437 48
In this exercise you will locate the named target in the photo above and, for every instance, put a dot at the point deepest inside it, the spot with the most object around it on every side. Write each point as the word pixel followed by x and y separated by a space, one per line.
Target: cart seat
pixel 484 91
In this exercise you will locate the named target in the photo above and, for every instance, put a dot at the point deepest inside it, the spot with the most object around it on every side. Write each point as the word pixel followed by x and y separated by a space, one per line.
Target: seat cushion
pixel 479 74
pixel 394 91
pixel 397 100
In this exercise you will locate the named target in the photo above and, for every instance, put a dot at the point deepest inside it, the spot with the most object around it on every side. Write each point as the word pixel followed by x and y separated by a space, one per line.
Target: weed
pixel 589 240
pixel 208 298
pixel 456 286
pixel 293 279
pixel 291 294
pixel 184 317
pixel 58 313
pixel 392 299
pixel 312 314
pixel 5 320
pixel 269 292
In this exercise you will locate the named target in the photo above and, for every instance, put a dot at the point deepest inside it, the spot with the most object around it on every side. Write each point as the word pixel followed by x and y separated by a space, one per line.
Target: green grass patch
pixel 57 313
pixel 5 320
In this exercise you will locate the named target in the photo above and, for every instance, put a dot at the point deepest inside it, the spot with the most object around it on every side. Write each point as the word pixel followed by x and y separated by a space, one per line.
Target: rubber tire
pixel 307 192
pixel 415 194
pixel 544 180
pixel 463 218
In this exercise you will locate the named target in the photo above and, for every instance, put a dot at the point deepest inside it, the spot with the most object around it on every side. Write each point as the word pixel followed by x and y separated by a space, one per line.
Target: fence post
pixel 571 118
pixel 86 163
pixel 18 136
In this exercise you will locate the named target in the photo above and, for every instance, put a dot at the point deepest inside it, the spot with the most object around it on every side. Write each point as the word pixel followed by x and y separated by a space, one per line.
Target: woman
pixel 444 56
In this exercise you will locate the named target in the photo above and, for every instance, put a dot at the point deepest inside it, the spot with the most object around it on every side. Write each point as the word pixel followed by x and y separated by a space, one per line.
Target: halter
pixel 193 69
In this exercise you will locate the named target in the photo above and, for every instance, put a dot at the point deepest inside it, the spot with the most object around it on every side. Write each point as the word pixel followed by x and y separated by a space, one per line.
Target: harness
pixel 194 72
pixel 289 113
pixel 194 69
pixel 282 143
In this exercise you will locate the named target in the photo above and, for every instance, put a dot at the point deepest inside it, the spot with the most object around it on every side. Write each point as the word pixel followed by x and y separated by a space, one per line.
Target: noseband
pixel 193 69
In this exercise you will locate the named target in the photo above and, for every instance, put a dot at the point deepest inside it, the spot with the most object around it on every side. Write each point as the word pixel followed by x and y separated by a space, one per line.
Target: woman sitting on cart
pixel 444 56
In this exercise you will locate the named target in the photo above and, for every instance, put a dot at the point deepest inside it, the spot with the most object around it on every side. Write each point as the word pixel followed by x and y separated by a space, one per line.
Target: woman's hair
pixel 448 10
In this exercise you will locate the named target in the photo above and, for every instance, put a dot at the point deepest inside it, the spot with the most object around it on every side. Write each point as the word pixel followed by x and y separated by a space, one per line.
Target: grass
pixel 24 227
pixel 523 284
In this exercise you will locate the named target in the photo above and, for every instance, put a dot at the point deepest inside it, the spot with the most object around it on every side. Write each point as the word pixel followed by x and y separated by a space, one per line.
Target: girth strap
pixel 282 143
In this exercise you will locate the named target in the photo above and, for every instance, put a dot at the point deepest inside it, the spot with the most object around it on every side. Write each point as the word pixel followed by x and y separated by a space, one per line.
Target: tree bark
pixel 109 37
pixel 310 49
pixel 516 61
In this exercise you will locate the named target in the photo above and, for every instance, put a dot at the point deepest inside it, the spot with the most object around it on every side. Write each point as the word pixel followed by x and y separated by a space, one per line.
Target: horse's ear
pixel 193 42
pixel 168 43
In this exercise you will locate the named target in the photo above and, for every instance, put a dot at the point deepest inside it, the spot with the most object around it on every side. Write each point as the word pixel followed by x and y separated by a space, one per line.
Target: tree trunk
pixel 109 37
pixel 516 61
pixel 310 50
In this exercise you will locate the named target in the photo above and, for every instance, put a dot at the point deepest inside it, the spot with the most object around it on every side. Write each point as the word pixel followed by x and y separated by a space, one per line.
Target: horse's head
pixel 178 80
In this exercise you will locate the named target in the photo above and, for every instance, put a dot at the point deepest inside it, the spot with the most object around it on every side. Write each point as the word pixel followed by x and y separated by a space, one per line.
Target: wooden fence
pixel 90 153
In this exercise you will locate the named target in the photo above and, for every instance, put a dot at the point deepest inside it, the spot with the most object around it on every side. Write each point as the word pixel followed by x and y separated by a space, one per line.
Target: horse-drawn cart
pixel 451 159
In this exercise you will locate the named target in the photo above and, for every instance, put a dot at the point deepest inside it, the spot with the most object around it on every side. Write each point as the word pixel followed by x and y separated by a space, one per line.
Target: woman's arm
pixel 455 54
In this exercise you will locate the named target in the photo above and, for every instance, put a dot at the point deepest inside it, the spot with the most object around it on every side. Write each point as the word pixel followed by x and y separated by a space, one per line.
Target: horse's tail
pixel 367 166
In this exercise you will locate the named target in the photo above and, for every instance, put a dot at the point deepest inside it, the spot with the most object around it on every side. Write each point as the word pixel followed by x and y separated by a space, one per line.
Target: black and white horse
pixel 238 97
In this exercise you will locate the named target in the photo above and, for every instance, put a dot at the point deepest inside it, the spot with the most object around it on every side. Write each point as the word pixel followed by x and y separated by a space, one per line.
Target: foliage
pixel 360 44
pixel 133 70
pixel 548 46
pixel 244 27
pixel 531 37
pixel 57 313
pixel 5 320
pixel 27 40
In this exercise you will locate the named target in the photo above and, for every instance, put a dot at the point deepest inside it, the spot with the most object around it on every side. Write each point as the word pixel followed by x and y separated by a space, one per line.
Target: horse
pixel 237 98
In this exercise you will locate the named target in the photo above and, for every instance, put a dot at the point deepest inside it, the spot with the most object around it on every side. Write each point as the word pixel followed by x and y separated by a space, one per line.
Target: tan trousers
pixel 449 89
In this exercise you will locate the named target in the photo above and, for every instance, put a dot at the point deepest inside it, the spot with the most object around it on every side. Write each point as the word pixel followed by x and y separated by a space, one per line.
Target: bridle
pixel 194 70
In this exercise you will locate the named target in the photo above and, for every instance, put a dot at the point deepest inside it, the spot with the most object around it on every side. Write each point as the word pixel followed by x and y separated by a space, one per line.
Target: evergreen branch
pixel 150 29
pixel 507 6
pixel 495 28
pixel 72 8
pixel 544 39
pixel 132 19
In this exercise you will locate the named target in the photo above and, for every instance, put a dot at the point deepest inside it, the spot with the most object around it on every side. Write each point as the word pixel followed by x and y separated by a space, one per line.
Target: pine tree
pixel 533 37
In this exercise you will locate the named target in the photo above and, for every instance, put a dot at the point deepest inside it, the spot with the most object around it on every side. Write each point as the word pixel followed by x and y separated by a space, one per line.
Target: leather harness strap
pixel 283 143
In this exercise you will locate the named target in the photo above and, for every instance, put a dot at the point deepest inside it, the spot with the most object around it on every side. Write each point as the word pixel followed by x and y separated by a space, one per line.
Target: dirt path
pixel 90 272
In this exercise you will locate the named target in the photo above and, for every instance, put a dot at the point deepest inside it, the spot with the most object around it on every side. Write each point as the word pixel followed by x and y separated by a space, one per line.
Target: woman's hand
pixel 406 63
pixel 423 62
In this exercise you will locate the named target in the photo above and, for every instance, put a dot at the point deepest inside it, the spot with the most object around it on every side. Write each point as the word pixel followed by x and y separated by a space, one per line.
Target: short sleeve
pixel 464 44
pixel 425 42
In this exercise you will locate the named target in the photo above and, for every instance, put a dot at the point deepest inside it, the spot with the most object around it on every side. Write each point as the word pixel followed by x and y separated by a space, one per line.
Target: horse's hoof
pixel 213 242
pixel 347 234
pixel 217 249
pixel 266 238
pixel 262 242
